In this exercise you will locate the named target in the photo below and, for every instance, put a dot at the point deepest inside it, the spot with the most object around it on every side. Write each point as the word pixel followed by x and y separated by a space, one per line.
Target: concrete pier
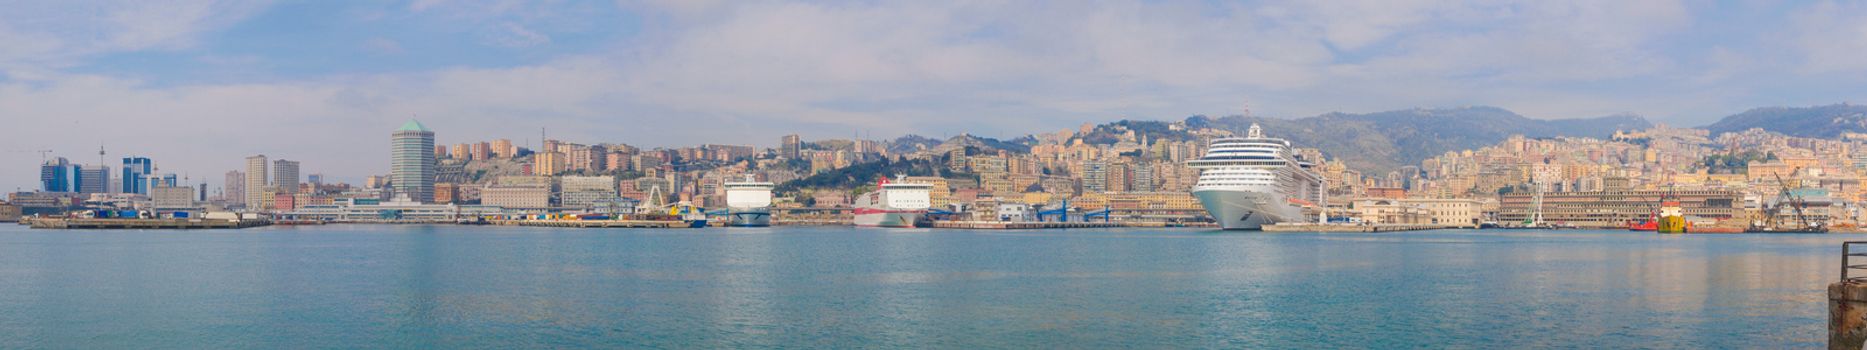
pixel 599 223
pixel 1847 315
pixel 1314 227
pixel 1003 225
pixel 144 224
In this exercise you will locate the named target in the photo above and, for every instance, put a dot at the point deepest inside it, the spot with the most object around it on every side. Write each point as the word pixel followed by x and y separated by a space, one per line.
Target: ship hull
pixel 881 218
pixel 759 217
pixel 1247 208
pixel 1671 224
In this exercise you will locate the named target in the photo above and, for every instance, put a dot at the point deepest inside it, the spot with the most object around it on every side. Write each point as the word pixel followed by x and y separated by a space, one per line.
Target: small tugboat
pixel 1671 217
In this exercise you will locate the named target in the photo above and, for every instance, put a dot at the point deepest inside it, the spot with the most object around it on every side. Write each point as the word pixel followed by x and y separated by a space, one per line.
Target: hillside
pixel 1384 141
pixel 1819 121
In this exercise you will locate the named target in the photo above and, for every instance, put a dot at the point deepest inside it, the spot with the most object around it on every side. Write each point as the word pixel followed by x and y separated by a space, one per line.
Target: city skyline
pixel 198 85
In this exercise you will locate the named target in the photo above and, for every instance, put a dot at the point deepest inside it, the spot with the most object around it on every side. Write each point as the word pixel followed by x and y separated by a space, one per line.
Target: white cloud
pixel 1832 37
pixel 47 35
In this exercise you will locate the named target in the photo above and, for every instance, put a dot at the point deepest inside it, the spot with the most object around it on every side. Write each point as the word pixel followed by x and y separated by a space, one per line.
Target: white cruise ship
pixel 748 203
pixel 894 204
pixel 1249 182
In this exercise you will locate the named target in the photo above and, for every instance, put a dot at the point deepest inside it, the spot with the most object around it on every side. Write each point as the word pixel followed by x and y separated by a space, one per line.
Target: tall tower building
pixel 255 182
pixel 93 179
pixel 234 190
pixel 58 175
pixel 285 176
pixel 504 149
pixel 136 171
pixel 791 146
pixel 411 162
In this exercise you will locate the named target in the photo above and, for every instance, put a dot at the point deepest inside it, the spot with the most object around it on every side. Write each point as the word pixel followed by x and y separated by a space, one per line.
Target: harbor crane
pixel 43 154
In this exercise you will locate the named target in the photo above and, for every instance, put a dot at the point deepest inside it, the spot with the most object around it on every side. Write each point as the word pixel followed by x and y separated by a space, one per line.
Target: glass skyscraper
pixel 411 162
pixel 58 175
pixel 136 171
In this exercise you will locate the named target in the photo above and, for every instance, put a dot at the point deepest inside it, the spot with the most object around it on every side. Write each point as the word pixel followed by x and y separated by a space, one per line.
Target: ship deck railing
pixel 1850 251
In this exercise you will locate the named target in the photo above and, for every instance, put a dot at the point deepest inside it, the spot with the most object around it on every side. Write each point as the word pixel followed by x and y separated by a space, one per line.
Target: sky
pixel 198 85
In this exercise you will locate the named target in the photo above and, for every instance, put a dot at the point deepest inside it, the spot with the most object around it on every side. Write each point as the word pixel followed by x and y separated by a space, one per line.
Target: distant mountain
pixel 1383 141
pixel 1820 121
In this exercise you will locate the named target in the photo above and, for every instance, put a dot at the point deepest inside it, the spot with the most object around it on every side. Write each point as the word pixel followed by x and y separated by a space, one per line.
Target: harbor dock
pixel 144 224
pixel 598 223
pixel 1315 227
pixel 1006 225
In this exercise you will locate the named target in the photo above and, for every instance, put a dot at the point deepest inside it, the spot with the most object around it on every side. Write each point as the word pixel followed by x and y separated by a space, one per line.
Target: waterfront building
pixel 1377 210
pixel 583 192
pixel 285 175
pixel 9 212
pixel 517 196
pixel 1612 209
pixel 136 171
pixel 283 201
pixel 31 200
pixel 446 193
pixel 255 188
pixel 172 197
pixel 411 166
pixel 373 210
pixel 1450 211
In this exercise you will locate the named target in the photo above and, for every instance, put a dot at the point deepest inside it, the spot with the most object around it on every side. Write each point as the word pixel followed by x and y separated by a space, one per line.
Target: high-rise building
pixel 480 151
pixel 411 163
pixel 285 175
pixel 136 171
pixel 504 148
pixel 548 163
pixel 1095 177
pixel 234 190
pixel 461 152
pixel 791 146
pixel 164 180
pixel 587 158
pixel 255 189
pixel 58 175
pixel 93 180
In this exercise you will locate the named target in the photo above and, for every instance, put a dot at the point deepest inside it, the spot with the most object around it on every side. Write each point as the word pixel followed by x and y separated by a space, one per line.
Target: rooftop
pixel 413 125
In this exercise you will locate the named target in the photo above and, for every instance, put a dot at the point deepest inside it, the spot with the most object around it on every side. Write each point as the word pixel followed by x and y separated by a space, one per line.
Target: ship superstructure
pixel 1252 181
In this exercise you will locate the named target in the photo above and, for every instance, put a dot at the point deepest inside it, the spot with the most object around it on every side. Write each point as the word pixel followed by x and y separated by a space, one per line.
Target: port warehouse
pixel 1614 209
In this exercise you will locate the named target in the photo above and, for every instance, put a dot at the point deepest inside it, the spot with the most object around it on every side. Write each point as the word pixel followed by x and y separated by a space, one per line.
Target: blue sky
pixel 199 84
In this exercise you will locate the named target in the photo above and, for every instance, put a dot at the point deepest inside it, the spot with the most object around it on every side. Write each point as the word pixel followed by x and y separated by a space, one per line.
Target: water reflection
pixel 447 286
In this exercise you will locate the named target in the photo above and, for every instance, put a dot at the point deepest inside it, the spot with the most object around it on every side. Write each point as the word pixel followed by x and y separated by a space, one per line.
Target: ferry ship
pixel 1246 183
pixel 893 204
pixel 748 203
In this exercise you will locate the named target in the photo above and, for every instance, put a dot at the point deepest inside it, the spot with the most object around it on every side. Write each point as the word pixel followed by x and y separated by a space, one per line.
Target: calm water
pixel 809 287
